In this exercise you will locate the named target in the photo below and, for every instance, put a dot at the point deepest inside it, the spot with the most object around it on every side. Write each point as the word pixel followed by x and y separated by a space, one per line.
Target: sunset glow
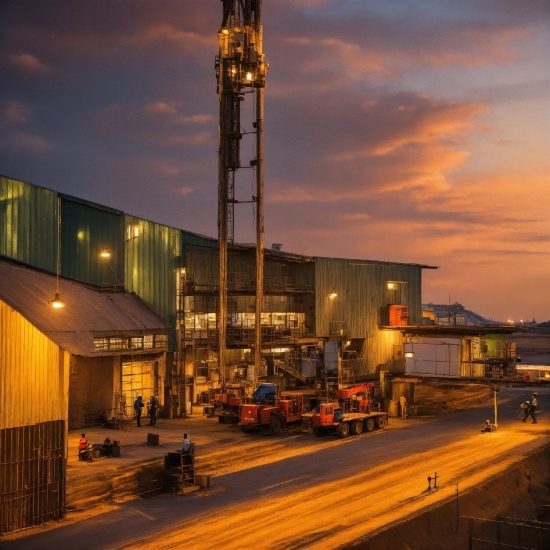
pixel 399 131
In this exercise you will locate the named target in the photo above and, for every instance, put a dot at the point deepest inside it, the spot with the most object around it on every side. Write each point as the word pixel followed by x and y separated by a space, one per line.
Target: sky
pixel 413 131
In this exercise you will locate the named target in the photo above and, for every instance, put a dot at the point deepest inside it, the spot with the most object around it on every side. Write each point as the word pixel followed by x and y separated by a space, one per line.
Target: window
pixel 148 341
pixel 136 342
pixel 160 341
pixel 101 344
pixel 118 343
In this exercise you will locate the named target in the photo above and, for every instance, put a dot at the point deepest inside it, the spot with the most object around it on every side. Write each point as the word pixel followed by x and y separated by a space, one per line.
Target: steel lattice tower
pixel 241 73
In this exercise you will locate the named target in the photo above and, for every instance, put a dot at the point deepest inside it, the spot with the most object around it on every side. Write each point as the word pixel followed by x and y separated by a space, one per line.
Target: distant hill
pixel 457 314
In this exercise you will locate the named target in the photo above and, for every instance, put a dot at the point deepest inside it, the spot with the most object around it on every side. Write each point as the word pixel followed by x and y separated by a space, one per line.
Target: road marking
pixel 284 483
pixel 152 518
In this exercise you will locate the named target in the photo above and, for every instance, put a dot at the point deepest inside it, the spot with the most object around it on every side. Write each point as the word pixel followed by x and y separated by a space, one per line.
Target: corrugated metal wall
pixel 32 475
pixel 33 377
pixel 151 263
pixel 86 229
pixel 360 306
pixel 33 426
pixel 28 223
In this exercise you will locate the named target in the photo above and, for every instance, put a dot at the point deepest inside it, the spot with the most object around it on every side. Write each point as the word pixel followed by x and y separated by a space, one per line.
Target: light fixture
pixel 57 302
pixel 391 286
pixel 105 253
pixel 332 295
pixel 249 76
pixel 133 231
pixel 409 354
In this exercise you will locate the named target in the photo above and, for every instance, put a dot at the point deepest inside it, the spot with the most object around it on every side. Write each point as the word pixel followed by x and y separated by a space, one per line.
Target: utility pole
pixel 241 71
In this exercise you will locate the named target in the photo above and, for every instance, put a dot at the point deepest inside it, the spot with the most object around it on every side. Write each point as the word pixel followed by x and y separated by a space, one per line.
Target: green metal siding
pixel 360 307
pixel 151 263
pixel 86 229
pixel 28 221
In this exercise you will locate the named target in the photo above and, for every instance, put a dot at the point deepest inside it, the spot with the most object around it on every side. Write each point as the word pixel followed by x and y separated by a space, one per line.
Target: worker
pixel 153 408
pixel 526 405
pixel 403 404
pixel 186 447
pixel 533 407
pixel 83 446
pixel 138 406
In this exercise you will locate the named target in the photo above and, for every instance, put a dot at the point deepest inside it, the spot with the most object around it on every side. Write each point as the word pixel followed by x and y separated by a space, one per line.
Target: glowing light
pixel 391 286
pixel 57 302
pixel 332 295
pixel 249 76
pixel 105 253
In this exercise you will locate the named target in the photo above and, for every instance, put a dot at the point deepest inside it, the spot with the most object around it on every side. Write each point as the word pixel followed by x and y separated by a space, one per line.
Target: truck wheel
pixel 343 430
pixel 369 424
pixel 357 427
pixel 276 425
pixel 380 422
pixel 319 432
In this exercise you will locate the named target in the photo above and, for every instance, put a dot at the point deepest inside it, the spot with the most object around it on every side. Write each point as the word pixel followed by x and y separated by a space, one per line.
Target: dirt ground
pixel 433 522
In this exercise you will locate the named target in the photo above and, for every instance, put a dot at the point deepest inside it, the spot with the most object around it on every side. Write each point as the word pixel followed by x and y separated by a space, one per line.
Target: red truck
pixel 350 414
pixel 283 412
pixel 225 403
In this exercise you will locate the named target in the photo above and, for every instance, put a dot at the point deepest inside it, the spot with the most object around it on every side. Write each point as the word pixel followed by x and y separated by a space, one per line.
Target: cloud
pixel 29 143
pixel 160 122
pixel 15 112
pixel 27 63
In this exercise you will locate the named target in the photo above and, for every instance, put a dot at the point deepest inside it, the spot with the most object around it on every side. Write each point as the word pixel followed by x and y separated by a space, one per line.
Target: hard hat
pixel 535 393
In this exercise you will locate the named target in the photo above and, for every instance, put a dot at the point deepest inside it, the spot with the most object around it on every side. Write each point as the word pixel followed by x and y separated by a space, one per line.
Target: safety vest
pixel 82 444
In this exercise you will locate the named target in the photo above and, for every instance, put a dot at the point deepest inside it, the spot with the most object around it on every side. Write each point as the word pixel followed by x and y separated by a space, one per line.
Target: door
pixel 138 378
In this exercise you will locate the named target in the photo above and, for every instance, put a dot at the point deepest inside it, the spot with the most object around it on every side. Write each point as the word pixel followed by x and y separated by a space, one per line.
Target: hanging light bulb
pixel 105 253
pixel 57 302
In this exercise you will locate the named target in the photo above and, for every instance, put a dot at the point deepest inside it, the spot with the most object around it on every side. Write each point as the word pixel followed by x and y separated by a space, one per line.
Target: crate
pixel 152 439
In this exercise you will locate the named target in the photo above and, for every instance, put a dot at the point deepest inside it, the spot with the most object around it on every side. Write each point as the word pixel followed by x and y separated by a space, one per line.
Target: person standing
pixel 403 405
pixel 533 407
pixel 153 408
pixel 138 407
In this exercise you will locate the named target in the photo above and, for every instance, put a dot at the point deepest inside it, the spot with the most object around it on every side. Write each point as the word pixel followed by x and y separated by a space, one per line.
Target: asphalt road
pixel 333 463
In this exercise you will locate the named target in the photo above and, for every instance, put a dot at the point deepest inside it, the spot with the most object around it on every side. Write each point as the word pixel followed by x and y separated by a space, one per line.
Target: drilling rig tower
pixel 241 75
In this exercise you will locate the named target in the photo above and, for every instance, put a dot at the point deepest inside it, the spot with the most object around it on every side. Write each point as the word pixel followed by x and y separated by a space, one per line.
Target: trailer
pixel 330 418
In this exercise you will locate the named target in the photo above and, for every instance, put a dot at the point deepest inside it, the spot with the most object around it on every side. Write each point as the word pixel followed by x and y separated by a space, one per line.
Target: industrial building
pixel 140 317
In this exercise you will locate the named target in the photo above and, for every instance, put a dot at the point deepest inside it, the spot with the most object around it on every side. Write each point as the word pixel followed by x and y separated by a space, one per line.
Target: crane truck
pixel 282 411
pixel 349 414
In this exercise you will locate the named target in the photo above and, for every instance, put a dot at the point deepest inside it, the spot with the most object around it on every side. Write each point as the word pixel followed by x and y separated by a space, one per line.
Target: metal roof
pixel 88 312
